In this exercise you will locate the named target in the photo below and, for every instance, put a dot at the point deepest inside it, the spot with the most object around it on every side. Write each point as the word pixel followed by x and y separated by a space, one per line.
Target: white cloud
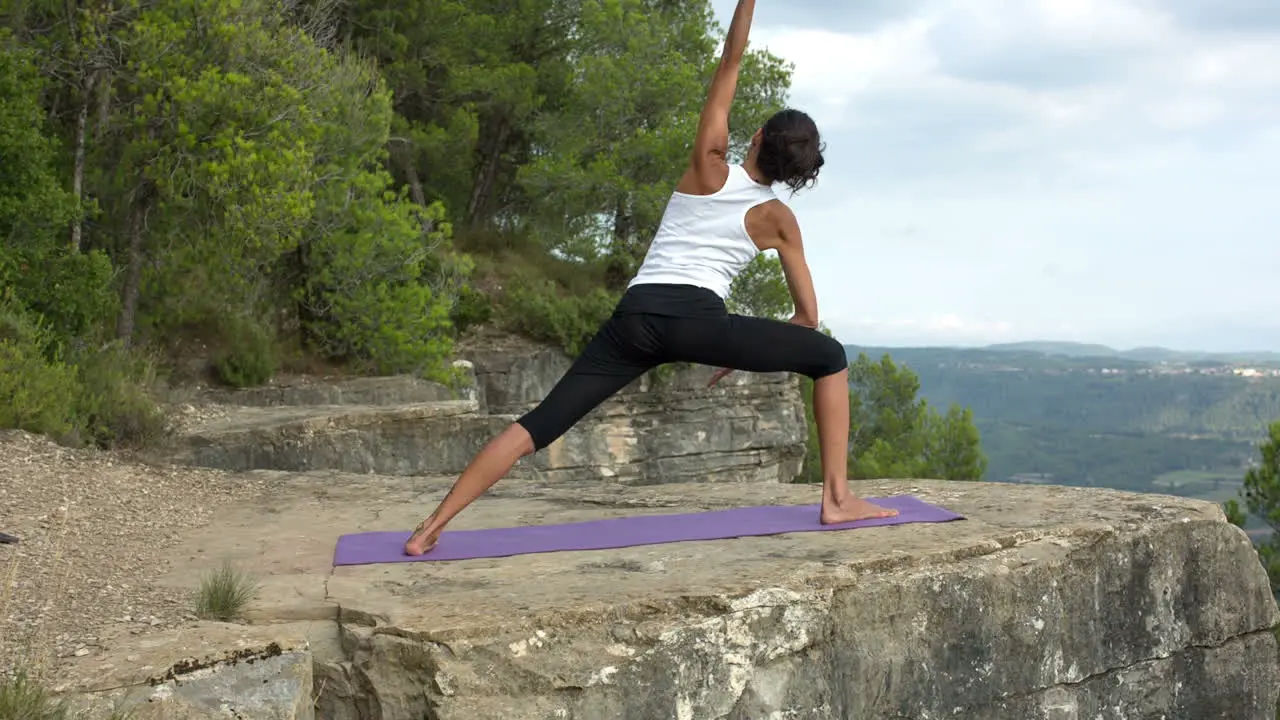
pixel 945 328
pixel 832 69
pixel 1011 169
pixel 1058 64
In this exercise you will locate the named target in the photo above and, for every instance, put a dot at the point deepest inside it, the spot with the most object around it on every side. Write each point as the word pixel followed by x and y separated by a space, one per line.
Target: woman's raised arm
pixel 711 146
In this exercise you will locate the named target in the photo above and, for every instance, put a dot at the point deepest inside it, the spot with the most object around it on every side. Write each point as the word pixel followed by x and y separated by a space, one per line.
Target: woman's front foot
pixel 852 509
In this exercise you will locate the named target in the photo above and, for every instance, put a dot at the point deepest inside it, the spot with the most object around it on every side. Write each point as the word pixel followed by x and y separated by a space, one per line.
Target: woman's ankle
pixel 836 490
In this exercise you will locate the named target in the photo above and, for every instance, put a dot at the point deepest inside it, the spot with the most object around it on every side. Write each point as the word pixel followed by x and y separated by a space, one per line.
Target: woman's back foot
pixel 852 509
pixel 422 540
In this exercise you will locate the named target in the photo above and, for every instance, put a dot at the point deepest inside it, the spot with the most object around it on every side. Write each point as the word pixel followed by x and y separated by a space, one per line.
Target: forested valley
pixel 1187 427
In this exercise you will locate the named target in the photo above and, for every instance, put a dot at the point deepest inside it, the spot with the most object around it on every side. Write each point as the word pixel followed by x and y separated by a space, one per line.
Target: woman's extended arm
pixel 796 269
pixel 707 164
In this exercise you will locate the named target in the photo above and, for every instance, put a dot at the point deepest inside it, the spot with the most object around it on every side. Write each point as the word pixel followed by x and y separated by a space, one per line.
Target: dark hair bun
pixel 791 150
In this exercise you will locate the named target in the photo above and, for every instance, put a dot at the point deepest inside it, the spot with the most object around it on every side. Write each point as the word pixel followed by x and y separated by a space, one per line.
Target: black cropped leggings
pixel 633 341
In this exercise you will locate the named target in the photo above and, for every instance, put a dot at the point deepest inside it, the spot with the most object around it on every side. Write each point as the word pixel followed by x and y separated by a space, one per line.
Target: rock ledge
pixel 1046 603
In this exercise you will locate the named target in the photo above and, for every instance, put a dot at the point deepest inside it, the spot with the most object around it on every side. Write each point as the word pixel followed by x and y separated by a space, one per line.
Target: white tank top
pixel 703 239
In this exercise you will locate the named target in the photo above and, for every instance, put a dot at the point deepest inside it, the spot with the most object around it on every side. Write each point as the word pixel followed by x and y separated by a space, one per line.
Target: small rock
pixel 131 658
pixel 81 652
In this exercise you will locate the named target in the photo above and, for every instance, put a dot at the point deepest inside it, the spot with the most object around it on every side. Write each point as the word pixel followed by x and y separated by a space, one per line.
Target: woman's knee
pixel 829 358
pixel 539 427
pixel 520 439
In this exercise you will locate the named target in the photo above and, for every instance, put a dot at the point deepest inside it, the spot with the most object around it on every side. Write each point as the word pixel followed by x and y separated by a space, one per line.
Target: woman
pixel 719 217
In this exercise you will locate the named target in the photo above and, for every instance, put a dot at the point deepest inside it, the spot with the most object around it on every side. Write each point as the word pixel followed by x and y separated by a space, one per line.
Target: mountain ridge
pixel 1064 413
pixel 1080 350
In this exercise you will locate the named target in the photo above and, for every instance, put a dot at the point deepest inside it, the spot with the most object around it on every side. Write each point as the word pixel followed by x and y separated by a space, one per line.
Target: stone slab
pixel 381 390
pixel 210 670
pixel 749 429
pixel 661 428
pixel 1045 599
pixel 425 438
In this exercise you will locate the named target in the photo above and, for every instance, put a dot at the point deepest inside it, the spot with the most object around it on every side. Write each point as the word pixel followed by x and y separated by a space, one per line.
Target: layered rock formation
pixel 1045 603
pixel 665 427
pixel 750 428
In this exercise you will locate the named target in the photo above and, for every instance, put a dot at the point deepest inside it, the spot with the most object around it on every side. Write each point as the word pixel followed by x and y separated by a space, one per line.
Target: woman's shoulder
pixel 703 179
pixel 769 223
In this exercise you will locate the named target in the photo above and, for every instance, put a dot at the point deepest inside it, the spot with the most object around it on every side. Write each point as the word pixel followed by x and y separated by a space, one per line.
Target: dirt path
pixel 93 530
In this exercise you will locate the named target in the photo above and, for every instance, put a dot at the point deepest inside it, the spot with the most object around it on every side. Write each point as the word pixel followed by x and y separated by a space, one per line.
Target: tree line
pixel 352 184
pixel 297 170
pixel 1260 494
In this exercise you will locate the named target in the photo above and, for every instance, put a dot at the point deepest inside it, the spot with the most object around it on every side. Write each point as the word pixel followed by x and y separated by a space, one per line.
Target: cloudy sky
pixel 999 170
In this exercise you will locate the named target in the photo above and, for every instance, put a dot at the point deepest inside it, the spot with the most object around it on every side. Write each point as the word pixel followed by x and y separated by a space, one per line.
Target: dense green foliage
pixel 553 132
pixel 1261 495
pixel 761 290
pixel 57 375
pixel 352 184
pixel 357 184
pixel 68 289
pixel 894 433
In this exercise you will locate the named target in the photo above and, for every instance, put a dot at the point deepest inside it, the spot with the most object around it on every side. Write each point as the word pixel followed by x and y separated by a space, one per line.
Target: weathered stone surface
pixel 750 428
pixel 211 671
pixel 425 438
pixel 1165 688
pixel 1046 603
pixel 393 390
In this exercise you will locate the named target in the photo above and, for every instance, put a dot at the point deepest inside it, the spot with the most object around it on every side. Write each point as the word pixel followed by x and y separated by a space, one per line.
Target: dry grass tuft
pixel 225 593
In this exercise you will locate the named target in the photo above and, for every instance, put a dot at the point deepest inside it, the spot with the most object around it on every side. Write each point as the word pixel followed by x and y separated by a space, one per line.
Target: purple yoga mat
pixel 388 547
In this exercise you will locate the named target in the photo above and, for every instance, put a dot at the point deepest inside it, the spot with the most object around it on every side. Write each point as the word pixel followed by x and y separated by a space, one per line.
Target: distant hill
pixel 1117 394
pixel 1076 414
pixel 1049 347
pixel 1140 354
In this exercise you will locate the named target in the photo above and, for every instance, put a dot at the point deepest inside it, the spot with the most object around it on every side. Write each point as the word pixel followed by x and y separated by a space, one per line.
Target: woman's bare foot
pixel 421 541
pixel 852 509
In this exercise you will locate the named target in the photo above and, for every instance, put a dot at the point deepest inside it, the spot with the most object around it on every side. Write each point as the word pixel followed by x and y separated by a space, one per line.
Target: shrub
pixel 36 394
pixel 390 328
pixel 225 593
pixel 379 293
pixel 94 395
pixel 248 356
pixel 22 698
pixel 71 291
pixel 114 406
pixel 472 308
pixel 538 310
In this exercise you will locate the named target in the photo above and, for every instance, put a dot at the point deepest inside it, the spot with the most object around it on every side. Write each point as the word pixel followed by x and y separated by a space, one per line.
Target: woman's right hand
pixel 804 322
